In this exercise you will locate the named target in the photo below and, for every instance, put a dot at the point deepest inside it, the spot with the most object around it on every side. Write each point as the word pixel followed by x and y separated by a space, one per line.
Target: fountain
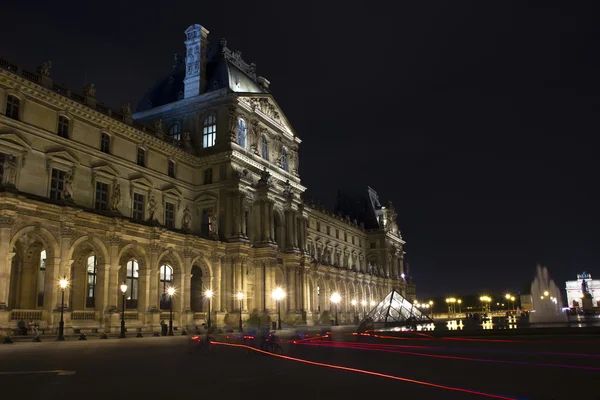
pixel 546 298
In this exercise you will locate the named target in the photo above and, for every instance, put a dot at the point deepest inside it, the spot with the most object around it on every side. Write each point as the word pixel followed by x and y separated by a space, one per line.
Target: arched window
pixel 264 148
pixel 166 281
pixel 133 275
pixel 209 132
pixel 242 132
pixel 41 279
pixel 175 131
pixel 284 161
pixel 90 297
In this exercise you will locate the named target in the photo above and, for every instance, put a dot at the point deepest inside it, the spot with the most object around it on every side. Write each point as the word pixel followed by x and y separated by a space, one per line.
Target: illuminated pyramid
pixel 393 310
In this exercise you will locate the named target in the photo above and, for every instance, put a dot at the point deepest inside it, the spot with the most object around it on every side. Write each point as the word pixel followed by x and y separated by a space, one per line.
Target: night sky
pixel 480 123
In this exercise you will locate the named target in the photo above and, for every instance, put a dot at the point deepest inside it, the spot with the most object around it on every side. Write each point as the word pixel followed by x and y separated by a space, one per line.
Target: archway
pixel 197 300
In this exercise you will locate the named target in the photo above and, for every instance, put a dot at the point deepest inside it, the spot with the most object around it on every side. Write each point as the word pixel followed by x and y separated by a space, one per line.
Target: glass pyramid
pixel 393 310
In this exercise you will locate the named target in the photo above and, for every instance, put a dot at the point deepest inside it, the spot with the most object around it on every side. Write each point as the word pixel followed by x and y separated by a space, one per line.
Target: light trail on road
pixel 372 373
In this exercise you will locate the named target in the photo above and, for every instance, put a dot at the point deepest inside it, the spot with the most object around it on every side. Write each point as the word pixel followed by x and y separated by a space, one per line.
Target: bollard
pixel 8 339
pixel 82 336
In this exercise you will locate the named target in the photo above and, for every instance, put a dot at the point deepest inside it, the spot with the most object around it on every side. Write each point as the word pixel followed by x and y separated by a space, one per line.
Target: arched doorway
pixel 28 274
pixel 197 300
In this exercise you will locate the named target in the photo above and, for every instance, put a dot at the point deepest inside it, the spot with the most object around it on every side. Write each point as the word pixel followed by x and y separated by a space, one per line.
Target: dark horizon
pixel 476 120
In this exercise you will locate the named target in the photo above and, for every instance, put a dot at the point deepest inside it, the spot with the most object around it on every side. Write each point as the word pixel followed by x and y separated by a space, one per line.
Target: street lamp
pixel 459 301
pixel 171 292
pixel 354 303
pixel 208 294
pixel 335 299
pixel 485 299
pixel 513 302
pixel 278 295
pixel 63 283
pixel 240 297
pixel 123 291
pixel 373 303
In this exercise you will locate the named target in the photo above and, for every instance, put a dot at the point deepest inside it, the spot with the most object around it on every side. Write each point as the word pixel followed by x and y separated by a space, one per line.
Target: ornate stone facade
pixel 98 197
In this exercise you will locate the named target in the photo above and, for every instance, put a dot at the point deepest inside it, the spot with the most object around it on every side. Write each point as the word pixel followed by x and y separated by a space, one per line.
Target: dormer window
pixel 284 160
pixel 264 148
pixel 63 126
pixel 13 104
pixel 242 133
pixel 209 132
pixel 175 131
pixel 141 157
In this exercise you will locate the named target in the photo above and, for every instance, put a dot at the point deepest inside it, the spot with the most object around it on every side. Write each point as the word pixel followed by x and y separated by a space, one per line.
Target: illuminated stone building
pixel 575 290
pixel 198 189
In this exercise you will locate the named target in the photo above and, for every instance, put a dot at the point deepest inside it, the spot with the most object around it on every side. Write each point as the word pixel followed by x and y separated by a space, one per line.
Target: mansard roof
pixel 225 68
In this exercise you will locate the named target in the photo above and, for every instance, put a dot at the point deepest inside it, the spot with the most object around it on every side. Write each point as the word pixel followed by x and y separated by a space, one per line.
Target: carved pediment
pixel 173 191
pixel 140 180
pixel 206 198
pixel 14 140
pixel 104 169
pixel 63 156
pixel 267 106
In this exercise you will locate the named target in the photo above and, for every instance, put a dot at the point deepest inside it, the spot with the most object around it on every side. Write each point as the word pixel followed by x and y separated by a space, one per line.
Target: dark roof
pixel 362 205
pixel 224 69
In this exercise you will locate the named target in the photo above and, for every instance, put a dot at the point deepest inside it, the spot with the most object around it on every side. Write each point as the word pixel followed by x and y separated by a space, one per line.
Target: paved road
pixel 172 367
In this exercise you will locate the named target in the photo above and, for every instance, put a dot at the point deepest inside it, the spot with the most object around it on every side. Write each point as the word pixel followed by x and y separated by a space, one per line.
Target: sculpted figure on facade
pixel 89 90
pixel 151 208
pixel 115 197
pixel 233 124
pixel 213 223
pixel 44 69
pixel 253 130
pixel 9 172
pixel 288 191
pixel 67 193
pixel 186 220
pixel 126 109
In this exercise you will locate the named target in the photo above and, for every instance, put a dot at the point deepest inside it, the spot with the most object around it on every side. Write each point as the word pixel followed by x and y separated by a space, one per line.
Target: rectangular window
pixel 171 168
pixel 141 157
pixel 373 245
pixel 328 231
pixel 210 131
pixel 13 104
pixel 337 233
pixel 319 226
pixel 63 127
pixel 101 196
pixel 105 143
pixel 170 215
pixel 352 239
pixel 345 237
pixel 205 229
pixel 208 176
pixel 57 184
pixel 138 207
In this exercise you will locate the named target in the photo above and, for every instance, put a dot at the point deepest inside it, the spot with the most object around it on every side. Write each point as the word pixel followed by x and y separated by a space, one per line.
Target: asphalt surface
pixel 555 367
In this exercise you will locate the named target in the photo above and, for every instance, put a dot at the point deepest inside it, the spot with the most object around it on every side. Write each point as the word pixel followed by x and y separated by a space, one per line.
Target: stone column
pixel 217 285
pixel 242 215
pixel 6 256
pixel 291 284
pixel 244 282
pixel 271 221
pixel 154 297
pixel 266 221
pixel 228 228
pixel 113 275
pixel 51 289
pixel 187 283
pixel 64 268
pixel 102 274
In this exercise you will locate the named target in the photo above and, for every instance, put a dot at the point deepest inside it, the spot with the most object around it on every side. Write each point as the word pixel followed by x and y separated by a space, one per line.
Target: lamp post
pixel 459 301
pixel 514 307
pixel 278 295
pixel 63 283
pixel 240 297
pixel 335 299
pixel 484 300
pixel 364 304
pixel 354 302
pixel 171 293
pixel 431 306
pixel 123 291
pixel 208 294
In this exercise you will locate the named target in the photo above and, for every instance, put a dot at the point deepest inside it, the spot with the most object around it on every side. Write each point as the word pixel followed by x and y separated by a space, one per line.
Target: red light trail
pixel 397 378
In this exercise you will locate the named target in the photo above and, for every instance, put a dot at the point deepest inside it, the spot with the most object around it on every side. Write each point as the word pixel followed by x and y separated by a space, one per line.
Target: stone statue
pixel 115 198
pixel 67 193
pixel 9 172
pixel 158 125
pixel 126 109
pixel 151 208
pixel 89 90
pixel 44 69
pixel 265 178
pixel 213 224
pixel 187 138
pixel 186 221
pixel 585 290
pixel 288 192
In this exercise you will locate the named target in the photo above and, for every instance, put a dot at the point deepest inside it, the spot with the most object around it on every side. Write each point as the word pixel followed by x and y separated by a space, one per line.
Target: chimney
pixel 196 44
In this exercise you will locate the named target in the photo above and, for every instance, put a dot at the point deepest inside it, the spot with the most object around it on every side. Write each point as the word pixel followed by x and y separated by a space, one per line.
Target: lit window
pixel 138 207
pixel 284 161
pixel 175 131
pixel 105 143
pixel 13 104
pixel 242 133
pixel 141 157
pixel 90 298
pixel 132 278
pixel 63 127
pixel 166 281
pixel 101 196
pixel 170 215
pixel 209 132
pixel 265 148
pixel 57 184
pixel 171 168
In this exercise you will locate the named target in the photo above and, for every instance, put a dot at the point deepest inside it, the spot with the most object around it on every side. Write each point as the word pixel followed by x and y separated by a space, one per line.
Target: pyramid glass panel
pixel 393 310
